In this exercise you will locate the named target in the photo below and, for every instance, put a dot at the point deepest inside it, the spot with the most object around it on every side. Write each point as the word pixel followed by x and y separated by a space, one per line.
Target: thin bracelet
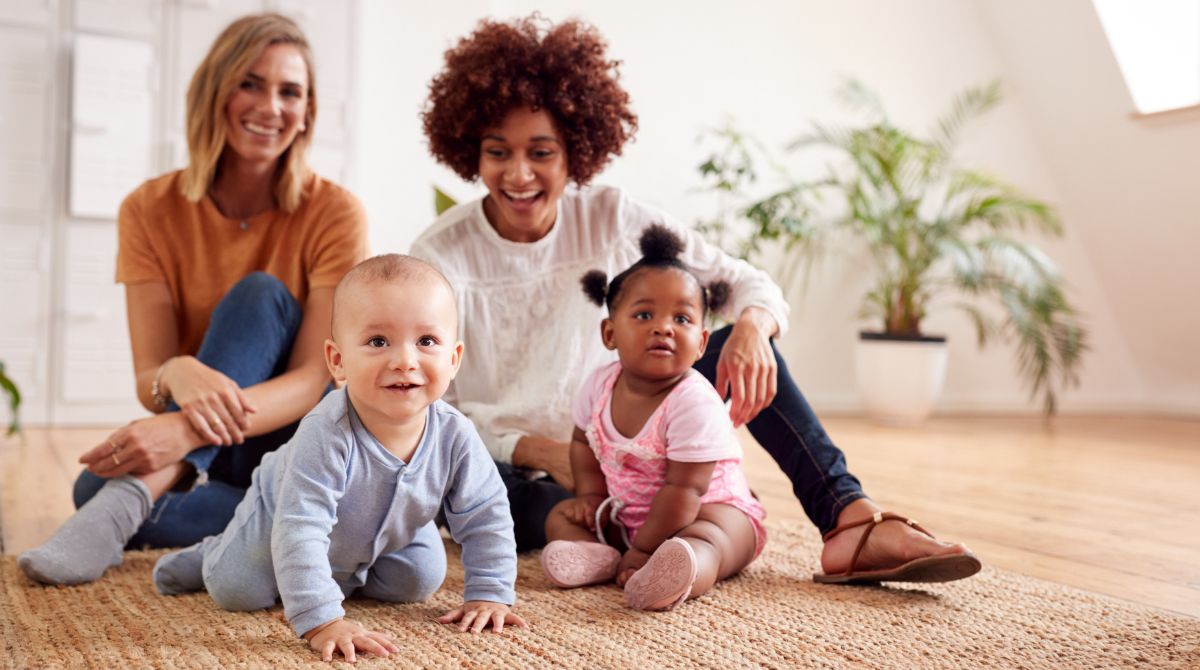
pixel 156 394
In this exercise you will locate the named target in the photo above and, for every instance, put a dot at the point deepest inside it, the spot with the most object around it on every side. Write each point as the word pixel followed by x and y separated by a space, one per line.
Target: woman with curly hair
pixel 528 108
pixel 229 267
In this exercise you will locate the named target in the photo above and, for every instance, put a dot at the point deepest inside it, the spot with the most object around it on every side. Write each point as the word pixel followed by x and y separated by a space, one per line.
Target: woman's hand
pixel 541 453
pixel 746 369
pixel 475 615
pixel 214 404
pixel 143 446
pixel 631 562
pixel 347 637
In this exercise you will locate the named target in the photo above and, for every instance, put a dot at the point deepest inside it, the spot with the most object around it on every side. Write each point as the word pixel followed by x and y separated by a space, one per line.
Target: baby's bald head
pixel 391 269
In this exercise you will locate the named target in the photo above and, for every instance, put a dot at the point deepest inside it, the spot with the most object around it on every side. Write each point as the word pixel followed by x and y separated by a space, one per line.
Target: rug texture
pixel 771 616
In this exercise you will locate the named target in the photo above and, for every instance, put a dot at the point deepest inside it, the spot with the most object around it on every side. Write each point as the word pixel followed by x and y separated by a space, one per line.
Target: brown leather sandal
pixel 946 568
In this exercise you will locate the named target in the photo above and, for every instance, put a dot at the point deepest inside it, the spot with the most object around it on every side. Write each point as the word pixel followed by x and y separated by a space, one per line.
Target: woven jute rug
pixel 771 616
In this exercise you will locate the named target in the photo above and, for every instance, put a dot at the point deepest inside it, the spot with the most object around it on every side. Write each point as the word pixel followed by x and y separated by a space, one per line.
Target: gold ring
pixel 114 446
pixel 115 459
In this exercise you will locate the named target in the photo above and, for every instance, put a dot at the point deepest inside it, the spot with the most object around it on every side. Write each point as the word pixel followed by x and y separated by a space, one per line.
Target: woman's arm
pixel 542 453
pixel 217 408
pixel 210 401
pixel 153 335
pixel 746 368
pixel 151 444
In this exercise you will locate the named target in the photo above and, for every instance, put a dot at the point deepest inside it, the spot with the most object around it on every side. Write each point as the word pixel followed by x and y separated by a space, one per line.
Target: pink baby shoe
pixel 665 580
pixel 569 564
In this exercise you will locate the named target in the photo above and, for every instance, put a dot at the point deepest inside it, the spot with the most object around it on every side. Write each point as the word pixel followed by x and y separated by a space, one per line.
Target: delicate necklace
pixel 243 222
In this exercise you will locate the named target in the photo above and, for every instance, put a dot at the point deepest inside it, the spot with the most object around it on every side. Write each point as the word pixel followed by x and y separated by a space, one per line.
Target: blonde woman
pixel 229 267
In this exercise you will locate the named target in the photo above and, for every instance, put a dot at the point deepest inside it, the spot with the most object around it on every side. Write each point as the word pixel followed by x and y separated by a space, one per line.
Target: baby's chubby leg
pixel 723 539
pixel 237 567
pixel 574 556
pixel 573 519
pixel 411 574
pixel 717 545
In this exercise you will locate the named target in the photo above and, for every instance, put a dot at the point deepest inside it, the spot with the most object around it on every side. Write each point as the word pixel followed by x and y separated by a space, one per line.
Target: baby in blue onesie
pixel 347 506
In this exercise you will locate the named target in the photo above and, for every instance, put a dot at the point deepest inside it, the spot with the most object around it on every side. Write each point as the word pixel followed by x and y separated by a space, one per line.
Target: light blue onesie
pixel 333 512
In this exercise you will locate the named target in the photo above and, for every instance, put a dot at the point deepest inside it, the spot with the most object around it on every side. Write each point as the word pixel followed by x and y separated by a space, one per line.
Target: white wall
pixel 772 66
pixel 399 50
pixel 1128 186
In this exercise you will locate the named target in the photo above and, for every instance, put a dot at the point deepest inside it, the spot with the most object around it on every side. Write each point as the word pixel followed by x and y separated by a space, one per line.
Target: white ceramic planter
pixel 900 380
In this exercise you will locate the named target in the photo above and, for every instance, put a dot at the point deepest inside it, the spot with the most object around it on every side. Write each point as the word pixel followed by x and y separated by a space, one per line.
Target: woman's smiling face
pixel 267 110
pixel 523 164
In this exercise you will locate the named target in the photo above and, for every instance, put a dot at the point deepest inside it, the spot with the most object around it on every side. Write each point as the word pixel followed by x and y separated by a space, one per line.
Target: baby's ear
pixel 606 334
pixel 456 359
pixel 333 361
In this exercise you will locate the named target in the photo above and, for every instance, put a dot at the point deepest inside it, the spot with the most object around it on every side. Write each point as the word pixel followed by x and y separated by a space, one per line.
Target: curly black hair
pixel 532 63
pixel 661 248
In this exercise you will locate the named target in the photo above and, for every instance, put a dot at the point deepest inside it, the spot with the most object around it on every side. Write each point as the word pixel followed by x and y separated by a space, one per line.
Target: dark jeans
pixel 530 501
pixel 249 338
pixel 787 428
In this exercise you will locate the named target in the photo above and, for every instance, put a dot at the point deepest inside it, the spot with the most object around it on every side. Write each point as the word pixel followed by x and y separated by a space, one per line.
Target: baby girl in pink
pixel 690 426
pixel 661 504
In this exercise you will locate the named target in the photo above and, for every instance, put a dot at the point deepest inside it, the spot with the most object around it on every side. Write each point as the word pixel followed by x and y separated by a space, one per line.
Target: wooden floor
pixel 1107 504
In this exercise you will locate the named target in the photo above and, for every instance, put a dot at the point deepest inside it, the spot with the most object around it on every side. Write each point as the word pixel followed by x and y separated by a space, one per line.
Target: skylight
pixel 1157 45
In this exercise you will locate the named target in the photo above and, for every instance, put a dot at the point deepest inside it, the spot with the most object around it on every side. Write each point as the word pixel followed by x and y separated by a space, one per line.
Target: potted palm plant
pixel 14 400
pixel 937 235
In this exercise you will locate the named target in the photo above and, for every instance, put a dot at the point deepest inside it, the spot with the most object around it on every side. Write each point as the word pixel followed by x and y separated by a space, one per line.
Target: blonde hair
pixel 229 59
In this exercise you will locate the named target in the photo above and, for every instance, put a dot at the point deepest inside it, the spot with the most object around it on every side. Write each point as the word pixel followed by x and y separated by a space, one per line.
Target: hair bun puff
pixel 595 286
pixel 660 243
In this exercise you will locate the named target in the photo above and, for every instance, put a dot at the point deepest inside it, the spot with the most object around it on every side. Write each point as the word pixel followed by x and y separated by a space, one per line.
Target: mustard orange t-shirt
pixel 200 254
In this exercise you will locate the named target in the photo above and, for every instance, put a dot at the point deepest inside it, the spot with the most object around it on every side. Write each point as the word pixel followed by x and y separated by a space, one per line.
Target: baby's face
pixel 395 346
pixel 657 324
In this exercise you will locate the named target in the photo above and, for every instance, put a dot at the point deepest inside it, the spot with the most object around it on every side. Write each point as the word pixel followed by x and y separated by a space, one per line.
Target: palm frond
pixel 14 401
pixel 984 328
pixel 968 105
pixel 1050 338
pixel 858 97
pixel 1019 263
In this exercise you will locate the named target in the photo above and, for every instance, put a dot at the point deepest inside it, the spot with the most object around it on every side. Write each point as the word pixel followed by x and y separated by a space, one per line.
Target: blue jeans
pixel 787 428
pixel 791 433
pixel 249 338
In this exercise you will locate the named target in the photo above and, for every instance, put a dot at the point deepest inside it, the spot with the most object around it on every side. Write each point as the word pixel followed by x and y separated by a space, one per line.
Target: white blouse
pixel 531 336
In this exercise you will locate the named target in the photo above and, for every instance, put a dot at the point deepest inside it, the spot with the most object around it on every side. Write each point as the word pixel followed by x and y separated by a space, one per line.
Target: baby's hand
pixel 631 562
pixel 347 636
pixel 475 614
pixel 582 510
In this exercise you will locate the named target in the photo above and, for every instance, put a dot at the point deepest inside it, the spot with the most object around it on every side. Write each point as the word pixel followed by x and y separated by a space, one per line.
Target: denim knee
pixel 258 286
pixel 87 485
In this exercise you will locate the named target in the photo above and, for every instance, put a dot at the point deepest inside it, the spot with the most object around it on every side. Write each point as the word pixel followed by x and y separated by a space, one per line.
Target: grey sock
pixel 180 571
pixel 92 540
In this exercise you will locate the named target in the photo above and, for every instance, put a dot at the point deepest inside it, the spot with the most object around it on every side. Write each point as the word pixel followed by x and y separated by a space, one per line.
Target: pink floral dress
pixel 691 425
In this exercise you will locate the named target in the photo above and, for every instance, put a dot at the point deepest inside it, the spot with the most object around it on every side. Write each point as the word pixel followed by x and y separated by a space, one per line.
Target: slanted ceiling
pixel 1129 185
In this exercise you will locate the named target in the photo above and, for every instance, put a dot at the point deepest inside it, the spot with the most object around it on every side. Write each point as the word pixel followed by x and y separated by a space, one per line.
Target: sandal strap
pixel 875 519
